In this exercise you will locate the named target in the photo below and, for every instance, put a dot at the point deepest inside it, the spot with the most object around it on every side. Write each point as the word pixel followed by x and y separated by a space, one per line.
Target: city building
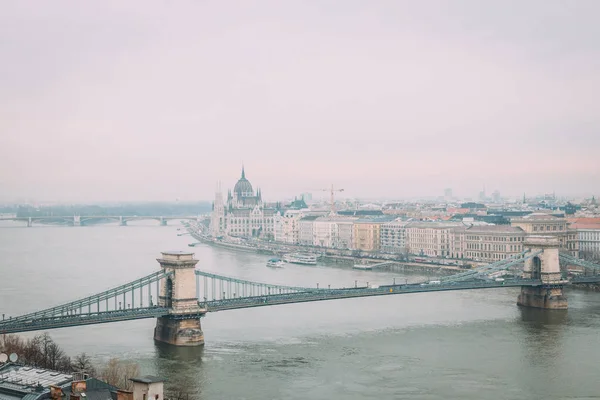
pixel 286 222
pixel 496 198
pixel 147 388
pixel 588 236
pixel 366 233
pixel 244 214
pixel 306 233
pixel 345 231
pixel 393 237
pixel 550 225
pixel 492 243
pixel 448 194
pixel 333 231
pixel 457 242
pixel 287 226
pixel 430 239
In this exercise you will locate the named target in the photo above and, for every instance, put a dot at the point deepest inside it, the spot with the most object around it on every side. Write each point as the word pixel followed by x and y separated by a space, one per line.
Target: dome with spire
pixel 243 187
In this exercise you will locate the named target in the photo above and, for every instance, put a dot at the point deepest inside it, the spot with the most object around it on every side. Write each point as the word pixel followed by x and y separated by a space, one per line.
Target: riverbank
pixel 271 248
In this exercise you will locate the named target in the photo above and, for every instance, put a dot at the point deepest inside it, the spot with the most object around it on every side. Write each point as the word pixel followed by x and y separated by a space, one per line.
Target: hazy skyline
pixel 158 100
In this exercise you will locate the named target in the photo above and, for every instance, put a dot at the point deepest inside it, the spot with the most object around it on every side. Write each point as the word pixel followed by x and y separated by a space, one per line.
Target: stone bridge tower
pixel 546 267
pixel 178 292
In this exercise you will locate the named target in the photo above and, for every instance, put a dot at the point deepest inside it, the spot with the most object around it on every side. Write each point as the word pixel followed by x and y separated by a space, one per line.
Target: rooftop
pixel 310 218
pixel 495 229
pixel 434 224
pixel 537 216
pixel 15 378
pixel 376 220
pixel 147 379
pixel 584 225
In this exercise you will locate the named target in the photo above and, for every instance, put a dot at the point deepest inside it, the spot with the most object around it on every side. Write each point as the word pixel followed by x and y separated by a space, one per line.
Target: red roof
pixel 584 223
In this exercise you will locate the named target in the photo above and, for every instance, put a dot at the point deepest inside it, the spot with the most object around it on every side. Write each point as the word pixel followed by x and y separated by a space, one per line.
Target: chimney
pixel 55 392
pixel 78 389
pixel 124 395
pixel 78 386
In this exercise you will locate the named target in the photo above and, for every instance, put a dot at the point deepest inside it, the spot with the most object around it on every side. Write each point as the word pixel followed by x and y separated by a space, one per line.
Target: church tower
pixel 217 220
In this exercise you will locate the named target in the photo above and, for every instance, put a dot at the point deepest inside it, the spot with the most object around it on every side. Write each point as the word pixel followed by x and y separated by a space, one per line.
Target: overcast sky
pixel 157 100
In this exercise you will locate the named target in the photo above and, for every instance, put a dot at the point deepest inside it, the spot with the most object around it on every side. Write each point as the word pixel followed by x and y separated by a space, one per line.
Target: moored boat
pixel 300 258
pixel 275 263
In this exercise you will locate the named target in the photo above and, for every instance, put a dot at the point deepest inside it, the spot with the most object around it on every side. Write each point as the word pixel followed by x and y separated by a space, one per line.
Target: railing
pixel 124 297
pixel 333 294
pixel 63 321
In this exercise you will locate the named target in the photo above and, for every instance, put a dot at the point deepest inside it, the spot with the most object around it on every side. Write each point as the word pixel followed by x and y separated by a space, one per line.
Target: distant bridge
pixel 82 220
pixel 179 295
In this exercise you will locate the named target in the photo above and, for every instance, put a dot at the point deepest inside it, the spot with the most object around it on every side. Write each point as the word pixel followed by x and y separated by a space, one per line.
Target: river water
pixel 456 345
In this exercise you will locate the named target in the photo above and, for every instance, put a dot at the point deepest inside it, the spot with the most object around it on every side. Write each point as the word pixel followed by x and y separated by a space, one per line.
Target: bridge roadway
pixel 91 318
pixel 81 318
pixel 347 293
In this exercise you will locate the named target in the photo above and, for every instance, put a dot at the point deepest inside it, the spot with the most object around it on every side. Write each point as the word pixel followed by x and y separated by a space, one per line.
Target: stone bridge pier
pixel 178 292
pixel 546 267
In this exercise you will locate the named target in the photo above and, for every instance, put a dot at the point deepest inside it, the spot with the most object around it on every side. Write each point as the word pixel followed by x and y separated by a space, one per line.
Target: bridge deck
pixel 39 321
pixel 8 326
pixel 334 294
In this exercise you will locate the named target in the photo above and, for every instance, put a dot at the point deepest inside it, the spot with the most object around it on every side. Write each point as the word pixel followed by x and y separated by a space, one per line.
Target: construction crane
pixel 331 190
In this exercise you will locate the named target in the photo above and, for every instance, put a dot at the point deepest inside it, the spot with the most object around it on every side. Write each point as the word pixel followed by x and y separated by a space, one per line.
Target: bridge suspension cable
pixel 493 267
pixel 578 261
pixel 119 298
pixel 219 287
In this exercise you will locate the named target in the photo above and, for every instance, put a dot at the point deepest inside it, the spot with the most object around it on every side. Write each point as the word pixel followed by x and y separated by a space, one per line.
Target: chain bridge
pixel 179 295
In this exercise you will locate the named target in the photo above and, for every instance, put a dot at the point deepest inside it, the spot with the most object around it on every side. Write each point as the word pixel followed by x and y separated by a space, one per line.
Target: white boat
pixel 275 263
pixel 300 258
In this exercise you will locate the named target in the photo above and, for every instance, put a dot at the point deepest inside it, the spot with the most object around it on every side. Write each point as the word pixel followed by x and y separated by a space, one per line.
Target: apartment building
pixel 492 243
pixel 306 233
pixel 393 237
pixel 344 239
pixel 430 239
pixel 588 236
pixel 287 227
pixel 366 235
pixel 325 232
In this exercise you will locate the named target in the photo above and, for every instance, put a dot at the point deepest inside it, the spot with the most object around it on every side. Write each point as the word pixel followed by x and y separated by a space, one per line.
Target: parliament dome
pixel 243 187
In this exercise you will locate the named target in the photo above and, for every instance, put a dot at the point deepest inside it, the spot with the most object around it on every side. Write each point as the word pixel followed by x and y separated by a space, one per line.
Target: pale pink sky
pixel 157 100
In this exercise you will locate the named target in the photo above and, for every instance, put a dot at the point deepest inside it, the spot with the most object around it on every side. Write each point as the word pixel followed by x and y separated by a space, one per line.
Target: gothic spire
pixel 243 172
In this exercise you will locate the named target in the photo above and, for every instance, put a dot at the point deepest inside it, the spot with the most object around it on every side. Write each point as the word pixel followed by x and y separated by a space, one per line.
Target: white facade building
pixel 589 240
pixel 344 230
pixel 393 237
pixel 287 226
pixel 306 230
pixel 244 214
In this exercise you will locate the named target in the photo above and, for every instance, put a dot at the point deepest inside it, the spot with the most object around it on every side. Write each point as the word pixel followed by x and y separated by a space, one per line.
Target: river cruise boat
pixel 300 258
pixel 275 263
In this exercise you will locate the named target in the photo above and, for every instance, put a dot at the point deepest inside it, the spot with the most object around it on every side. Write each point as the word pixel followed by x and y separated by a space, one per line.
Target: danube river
pixel 455 345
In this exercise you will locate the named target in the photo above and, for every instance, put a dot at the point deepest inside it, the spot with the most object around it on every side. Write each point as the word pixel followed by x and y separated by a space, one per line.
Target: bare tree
pixel 39 351
pixel 118 373
pixel 83 363
pixel 11 344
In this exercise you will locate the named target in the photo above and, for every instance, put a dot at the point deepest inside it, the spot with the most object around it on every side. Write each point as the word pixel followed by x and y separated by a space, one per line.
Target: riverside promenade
pixel 329 255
